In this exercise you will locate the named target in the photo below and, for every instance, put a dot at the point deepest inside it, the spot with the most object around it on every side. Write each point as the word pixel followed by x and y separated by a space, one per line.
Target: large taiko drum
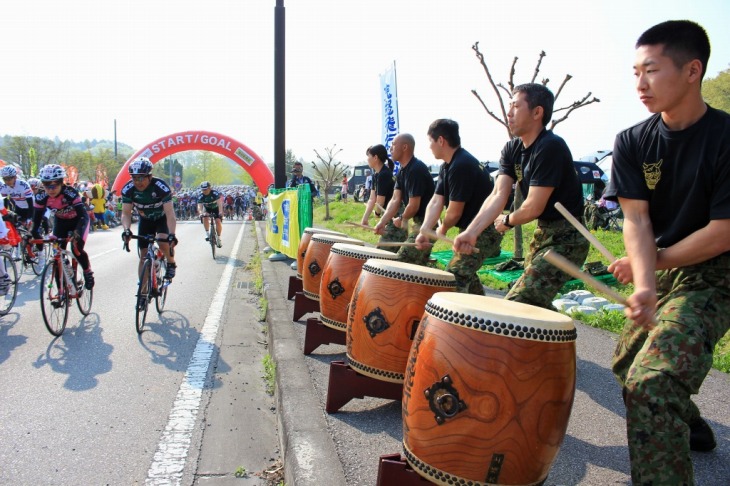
pixel 488 391
pixel 304 243
pixel 315 259
pixel 339 279
pixel 385 311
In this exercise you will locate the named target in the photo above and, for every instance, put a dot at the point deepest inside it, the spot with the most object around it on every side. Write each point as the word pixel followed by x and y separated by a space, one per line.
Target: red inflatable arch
pixel 197 140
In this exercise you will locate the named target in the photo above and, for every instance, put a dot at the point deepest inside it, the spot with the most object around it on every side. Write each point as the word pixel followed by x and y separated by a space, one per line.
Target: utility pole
pixel 279 94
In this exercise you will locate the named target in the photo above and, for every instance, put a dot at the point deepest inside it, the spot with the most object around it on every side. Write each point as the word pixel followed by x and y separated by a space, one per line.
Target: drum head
pixel 410 272
pixel 323 231
pixel 502 317
pixel 362 252
pixel 332 239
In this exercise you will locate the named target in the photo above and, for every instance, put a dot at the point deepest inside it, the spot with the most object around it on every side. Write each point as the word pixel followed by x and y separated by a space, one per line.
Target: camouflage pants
pixel 660 366
pixel 411 254
pixel 464 267
pixel 541 281
pixel 391 233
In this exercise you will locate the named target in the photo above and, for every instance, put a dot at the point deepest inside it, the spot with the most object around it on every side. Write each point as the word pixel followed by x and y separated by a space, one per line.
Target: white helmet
pixel 140 166
pixel 52 172
pixel 8 171
pixel 34 182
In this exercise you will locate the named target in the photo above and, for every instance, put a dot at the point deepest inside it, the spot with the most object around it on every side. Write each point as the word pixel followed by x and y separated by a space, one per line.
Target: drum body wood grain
pixel 304 242
pixel 315 259
pixel 385 311
pixel 339 279
pixel 488 391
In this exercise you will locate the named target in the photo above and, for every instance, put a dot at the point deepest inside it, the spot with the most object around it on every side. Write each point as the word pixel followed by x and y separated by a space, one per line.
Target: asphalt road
pixel 184 403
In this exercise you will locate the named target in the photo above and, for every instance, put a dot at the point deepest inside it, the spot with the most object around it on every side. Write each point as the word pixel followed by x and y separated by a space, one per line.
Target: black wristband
pixel 505 222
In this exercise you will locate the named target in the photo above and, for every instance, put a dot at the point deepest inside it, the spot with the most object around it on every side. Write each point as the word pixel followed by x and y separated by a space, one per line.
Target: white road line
pixel 172 450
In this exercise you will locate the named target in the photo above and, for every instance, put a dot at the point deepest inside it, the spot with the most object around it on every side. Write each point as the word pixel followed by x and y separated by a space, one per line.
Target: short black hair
pixel 449 129
pixel 538 95
pixel 683 41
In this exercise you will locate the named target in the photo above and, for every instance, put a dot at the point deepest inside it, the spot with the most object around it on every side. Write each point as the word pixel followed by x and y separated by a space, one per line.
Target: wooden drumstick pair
pixel 438 236
pixel 384 244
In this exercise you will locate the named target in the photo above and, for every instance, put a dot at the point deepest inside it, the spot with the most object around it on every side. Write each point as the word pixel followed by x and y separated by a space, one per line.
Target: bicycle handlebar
pixel 149 239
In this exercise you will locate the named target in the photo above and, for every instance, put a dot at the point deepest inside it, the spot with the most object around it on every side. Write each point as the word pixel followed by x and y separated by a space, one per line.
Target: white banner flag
pixel 389 99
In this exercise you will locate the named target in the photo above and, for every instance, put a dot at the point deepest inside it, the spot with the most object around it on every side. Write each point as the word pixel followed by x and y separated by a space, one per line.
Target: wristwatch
pixel 505 222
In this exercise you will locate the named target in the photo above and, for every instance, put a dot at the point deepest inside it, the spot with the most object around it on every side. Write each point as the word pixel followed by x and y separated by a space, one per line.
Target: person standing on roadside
pixel 381 192
pixel 672 179
pixel 414 188
pixel 542 166
pixel 462 188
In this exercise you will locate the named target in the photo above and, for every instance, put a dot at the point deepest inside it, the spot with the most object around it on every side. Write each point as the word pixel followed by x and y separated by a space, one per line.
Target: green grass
pixel 269 374
pixel 612 240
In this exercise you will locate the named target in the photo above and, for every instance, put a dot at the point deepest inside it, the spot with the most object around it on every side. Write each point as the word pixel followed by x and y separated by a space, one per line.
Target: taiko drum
pixel 339 279
pixel 488 391
pixel 315 259
pixel 385 311
pixel 304 242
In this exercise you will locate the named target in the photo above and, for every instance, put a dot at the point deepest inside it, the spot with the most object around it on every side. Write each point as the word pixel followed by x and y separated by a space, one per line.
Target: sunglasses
pixel 139 178
pixel 9 178
pixel 51 185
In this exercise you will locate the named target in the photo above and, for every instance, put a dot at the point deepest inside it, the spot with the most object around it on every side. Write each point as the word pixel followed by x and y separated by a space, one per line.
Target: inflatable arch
pixel 198 140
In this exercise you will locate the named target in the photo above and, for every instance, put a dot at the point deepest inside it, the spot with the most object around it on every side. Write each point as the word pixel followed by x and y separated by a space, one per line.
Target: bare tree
pixel 504 96
pixel 329 172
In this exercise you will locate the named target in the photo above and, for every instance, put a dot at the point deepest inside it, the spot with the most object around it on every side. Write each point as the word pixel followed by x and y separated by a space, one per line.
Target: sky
pixel 157 67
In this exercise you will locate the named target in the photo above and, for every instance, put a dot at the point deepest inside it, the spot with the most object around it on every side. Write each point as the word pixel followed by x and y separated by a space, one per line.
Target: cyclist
pixel 71 215
pixel 19 193
pixel 152 198
pixel 228 207
pixel 8 237
pixel 211 201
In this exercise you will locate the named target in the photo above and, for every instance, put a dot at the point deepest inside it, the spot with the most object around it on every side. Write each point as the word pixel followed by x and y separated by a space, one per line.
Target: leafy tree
pixel 31 153
pixel 504 97
pixel 328 171
pixel 716 91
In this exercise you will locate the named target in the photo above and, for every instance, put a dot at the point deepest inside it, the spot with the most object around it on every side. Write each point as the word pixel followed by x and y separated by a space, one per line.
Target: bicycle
pixel 35 258
pixel 152 284
pixel 8 299
pixel 61 282
pixel 212 233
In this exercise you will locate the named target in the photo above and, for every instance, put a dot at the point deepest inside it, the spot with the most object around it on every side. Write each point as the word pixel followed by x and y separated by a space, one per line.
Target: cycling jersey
pixel 210 202
pixel 67 207
pixel 150 201
pixel 20 193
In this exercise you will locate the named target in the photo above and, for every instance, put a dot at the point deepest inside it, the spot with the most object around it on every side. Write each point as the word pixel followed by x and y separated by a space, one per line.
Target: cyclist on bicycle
pixel 152 198
pixel 211 201
pixel 6 238
pixel 71 215
pixel 36 187
pixel 19 193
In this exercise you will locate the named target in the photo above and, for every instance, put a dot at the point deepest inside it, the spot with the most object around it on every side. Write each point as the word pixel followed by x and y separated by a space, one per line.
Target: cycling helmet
pixel 34 182
pixel 205 185
pixel 8 171
pixel 141 166
pixel 52 172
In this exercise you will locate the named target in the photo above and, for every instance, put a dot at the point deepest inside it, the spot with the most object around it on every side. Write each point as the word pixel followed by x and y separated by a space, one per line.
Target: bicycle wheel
pixel 84 296
pixel 54 301
pixel 143 296
pixel 213 238
pixel 8 300
pixel 162 284
pixel 38 261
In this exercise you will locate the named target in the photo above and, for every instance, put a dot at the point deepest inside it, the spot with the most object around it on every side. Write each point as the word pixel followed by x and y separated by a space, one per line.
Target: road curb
pixel 308 450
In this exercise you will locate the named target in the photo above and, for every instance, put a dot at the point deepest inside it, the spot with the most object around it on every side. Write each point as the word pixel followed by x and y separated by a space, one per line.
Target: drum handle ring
pixel 443 399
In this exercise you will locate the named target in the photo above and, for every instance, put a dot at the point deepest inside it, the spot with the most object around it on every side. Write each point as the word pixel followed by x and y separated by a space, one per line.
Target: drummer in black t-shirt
pixel 542 166
pixel 414 188
pixel 381 192
pixel 462 187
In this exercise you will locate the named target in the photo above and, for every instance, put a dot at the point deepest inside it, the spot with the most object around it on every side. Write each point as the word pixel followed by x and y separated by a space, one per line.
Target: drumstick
pixel 364 226
pixel 379 208
pixel 584 231
pixel 394 243
pixel 571 269
pixel 438 236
